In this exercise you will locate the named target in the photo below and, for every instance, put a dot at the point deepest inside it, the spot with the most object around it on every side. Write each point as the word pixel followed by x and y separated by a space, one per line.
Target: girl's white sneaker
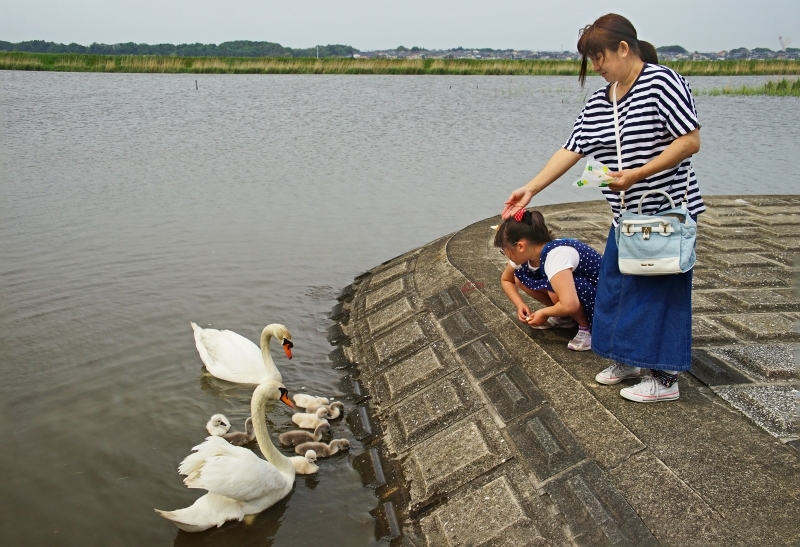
pixel 650 390
pixel 616 373
pixel 581 342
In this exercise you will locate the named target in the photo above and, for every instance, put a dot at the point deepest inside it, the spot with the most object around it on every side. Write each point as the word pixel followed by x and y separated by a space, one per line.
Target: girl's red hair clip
pixel 519 214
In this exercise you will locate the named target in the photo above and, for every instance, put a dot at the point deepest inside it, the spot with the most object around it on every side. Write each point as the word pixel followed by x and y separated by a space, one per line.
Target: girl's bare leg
pixel 578 316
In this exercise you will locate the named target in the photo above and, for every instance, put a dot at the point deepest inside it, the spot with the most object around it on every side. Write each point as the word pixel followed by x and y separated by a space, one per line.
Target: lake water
pixel 133 204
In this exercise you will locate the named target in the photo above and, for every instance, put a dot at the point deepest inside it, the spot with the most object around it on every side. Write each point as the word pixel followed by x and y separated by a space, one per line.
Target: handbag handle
pixel 671 203
pixel 619 163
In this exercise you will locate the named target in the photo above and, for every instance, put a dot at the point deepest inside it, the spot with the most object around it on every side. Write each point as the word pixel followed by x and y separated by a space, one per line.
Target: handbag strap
pixel 619 145
pixel 622 207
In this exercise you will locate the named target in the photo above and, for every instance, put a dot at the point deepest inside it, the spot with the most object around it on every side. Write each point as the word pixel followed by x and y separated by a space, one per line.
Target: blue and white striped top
pixel 657 109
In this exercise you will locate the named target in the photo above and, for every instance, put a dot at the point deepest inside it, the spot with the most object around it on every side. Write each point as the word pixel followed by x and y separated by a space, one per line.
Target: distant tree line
pixel 238 48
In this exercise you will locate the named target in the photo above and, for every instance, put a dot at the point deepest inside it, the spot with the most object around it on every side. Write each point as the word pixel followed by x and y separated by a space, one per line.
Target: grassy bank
pixel 271 65
pixel 782 88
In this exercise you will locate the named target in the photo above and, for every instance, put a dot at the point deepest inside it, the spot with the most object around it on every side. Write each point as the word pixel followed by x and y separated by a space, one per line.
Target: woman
pixel 639 322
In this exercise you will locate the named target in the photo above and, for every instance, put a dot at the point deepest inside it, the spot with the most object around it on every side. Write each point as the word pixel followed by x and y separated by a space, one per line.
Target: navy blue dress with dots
pixel 585 275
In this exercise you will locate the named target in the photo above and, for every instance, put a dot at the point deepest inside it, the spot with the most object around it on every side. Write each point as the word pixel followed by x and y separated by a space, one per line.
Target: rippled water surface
pixel 132 204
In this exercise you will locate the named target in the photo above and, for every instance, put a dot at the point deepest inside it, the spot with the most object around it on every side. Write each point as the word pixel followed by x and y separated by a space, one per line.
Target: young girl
pixel 560 273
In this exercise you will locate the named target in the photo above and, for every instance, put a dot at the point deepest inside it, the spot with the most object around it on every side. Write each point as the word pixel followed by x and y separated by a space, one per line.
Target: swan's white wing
pixel 231 360
pixel 266 366
pixel 209 510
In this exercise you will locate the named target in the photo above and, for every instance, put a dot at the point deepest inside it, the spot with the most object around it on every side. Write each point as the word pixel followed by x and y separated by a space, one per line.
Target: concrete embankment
pixel 482 431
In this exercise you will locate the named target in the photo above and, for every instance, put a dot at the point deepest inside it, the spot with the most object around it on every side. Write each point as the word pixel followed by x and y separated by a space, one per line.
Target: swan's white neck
pixel 258 410
pixel 266 337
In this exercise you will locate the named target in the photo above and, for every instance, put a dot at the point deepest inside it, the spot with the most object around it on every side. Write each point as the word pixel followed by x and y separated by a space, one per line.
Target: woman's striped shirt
pixel 657 109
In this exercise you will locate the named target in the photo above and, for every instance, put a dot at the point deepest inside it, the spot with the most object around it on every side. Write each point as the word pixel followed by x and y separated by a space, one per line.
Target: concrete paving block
pixel 771 407
pixel 781 231
pixel 733 246
pixel 705 332
pixel 738 260
pixel 722 211
pixel 702 282
pixel 386 293
pixel 596 512
pixel 413 373
pixel 760 326
pixel 751 278
pixel 776 210
pixel 380 277
pixel 704 303
pixel 784 243
pixel 453 458
pixel 502 514
pixel 760 300
pixel 724 222
pixel 784 257
pixel 446 302
pixel 713 233
pixel 773 362
pixel 396 312
pixel 402 341
pixel 431 410
pixel 463 326
pixel 512 393
pixel 485 356
pixel 779 220
pixel 713 371
pixel 545 443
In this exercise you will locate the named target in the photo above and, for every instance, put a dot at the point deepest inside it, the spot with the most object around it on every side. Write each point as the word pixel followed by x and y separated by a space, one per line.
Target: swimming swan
pixel 324 450
pixel 239 438
pixel 304 465
pixel 239 483
pixel 232 357
pixel 293 438
pixel 311 421
pixel 303 400
pixel 218 425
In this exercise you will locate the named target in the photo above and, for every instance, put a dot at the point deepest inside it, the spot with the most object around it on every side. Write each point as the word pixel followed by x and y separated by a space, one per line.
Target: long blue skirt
pixel 644 321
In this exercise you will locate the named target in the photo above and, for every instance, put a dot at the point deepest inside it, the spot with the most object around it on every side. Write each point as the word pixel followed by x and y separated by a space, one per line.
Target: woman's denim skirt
pixel 644 321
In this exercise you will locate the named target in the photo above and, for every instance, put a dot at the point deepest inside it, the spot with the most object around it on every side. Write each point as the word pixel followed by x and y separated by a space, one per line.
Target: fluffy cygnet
pixel 238 438
pixel 303 400
pixel 311 421
pixel 324 450
pixel 304 465
pixel 334 409
pixel 293 438
pixel 218 425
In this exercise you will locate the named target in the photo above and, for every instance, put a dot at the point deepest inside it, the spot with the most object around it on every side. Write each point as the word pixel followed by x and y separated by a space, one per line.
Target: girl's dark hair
pixel 605 34
pixel 531 228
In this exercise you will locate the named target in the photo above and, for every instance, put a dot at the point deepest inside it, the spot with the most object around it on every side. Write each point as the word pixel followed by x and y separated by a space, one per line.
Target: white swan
pixel 293 438
pixel 232 357
pixel 218 425
pixel 324 450
pixel 239 438
pixel 304 465
pixel 311 421
pixel 303 400
pixel 239 483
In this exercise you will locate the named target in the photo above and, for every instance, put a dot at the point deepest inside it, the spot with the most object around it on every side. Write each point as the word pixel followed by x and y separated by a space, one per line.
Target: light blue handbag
pixel 659 244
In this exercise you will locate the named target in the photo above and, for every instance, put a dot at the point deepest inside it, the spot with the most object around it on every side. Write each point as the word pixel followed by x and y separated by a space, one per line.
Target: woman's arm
pixel 509 286
pixel 557 165
pixel 677 151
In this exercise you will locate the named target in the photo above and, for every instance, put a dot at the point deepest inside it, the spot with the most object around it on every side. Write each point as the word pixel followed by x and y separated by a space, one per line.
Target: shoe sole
pixel 614 381
pixel 546 327
pixel 640 399
pixel 579 349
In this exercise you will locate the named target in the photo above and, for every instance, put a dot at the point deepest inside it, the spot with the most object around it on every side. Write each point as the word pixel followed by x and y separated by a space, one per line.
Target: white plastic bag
pixel 594 174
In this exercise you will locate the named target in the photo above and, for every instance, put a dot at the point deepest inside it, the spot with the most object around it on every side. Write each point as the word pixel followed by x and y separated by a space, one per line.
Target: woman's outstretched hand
pixel 624 179
pixel 519 198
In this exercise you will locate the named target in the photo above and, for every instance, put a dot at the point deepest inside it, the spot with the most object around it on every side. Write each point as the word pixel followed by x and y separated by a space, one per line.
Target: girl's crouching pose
pixel 560 273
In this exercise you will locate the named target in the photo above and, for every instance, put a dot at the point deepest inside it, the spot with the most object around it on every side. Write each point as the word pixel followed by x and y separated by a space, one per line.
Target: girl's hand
pixel 523 313
pixel 624 179
pixel 518 199
pixel 538 318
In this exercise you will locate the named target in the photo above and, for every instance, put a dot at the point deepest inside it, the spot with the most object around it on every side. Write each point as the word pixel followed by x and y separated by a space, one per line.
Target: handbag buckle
pixel 646 232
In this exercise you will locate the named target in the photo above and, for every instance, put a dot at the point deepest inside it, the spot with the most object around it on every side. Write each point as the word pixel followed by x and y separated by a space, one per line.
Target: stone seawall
pixel 481 431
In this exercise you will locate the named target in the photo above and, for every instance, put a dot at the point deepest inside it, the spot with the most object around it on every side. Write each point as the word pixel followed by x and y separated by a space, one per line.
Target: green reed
pixel 782 88
pixel 338 65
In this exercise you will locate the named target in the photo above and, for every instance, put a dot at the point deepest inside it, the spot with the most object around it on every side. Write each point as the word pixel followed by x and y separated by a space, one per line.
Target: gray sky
pixel 702 25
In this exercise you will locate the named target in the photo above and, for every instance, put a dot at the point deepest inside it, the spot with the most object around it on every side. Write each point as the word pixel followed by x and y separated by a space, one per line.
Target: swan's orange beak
pixel 285 398
pixel 287 348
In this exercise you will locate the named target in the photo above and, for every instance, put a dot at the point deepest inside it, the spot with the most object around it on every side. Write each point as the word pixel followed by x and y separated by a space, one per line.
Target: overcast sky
pixel 702 25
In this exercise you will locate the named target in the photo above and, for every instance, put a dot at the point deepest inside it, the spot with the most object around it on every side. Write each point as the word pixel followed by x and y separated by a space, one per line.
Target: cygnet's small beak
pixel 287 348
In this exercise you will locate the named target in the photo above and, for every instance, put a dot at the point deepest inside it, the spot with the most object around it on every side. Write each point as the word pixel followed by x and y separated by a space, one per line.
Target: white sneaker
pixel 581 342
pixel 616 373
pixel 650 390
pixel 557 323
